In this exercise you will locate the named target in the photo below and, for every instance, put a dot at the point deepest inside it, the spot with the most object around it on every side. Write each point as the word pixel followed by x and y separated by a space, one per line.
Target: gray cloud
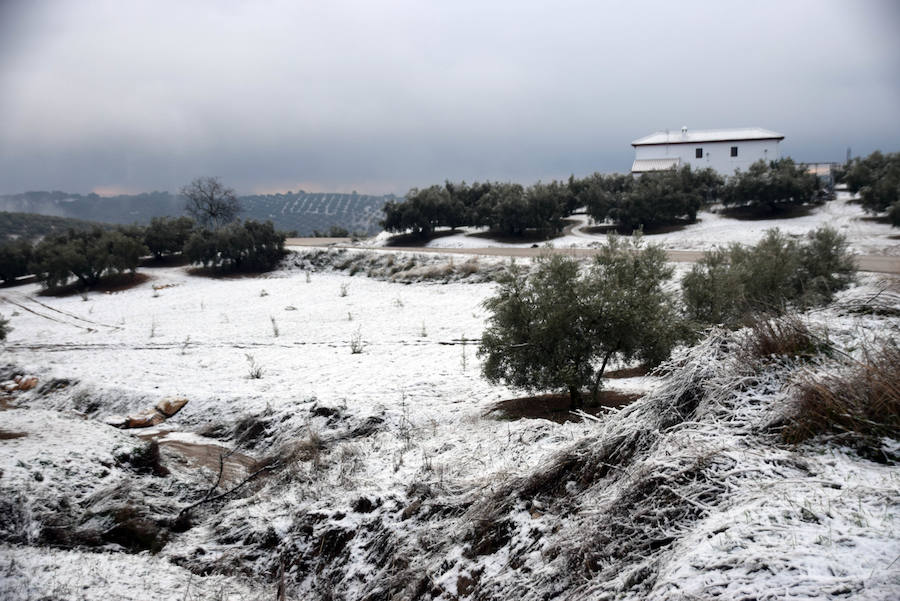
pixel 383 96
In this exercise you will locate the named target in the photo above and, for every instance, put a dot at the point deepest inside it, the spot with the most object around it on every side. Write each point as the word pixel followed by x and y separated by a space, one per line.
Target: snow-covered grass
pixel 387 479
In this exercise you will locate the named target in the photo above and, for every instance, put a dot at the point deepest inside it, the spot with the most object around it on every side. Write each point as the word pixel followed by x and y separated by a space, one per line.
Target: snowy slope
pixel 388 481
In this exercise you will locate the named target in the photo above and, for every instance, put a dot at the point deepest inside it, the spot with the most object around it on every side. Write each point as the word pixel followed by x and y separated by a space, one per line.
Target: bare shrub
pixel 255 371
pixel 344 289
pixel 356 342
pixel 469 267
pixel 863 402
pixel 784 338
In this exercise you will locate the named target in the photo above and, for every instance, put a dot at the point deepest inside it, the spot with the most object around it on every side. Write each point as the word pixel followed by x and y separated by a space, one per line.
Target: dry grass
pixel 777 339
pixel 863 402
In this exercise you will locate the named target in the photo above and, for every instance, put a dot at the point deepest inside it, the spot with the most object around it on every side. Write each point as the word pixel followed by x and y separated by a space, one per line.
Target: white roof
pixel 708 135
pixel 642 165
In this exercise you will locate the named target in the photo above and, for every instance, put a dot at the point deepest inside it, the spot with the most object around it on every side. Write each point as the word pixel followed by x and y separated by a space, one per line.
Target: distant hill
pixel 301 211
pixel 31 226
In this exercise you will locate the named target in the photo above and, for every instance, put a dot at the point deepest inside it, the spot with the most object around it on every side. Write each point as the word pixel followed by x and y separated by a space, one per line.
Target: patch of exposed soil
pixel 535 236
pixel 218 273
pixel 416 240
pixel 555 407
pixel 748 213
pixel 626 231
pixel 628 372
pixel 165 261
pixel 112 283
pixel 9 435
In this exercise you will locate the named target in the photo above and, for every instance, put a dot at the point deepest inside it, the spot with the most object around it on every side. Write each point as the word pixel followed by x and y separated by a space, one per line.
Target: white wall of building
pixel 716 155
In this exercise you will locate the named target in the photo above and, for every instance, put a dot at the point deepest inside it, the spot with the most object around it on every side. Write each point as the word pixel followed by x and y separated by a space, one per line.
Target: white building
pixel 724 150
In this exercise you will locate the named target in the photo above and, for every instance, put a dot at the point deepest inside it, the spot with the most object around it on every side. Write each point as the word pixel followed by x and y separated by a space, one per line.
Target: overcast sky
pixel 112 95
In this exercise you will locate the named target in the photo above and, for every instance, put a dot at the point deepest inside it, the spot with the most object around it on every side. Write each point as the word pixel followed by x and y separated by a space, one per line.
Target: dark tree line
pixel 649 200
pixel 504 207
pixel 511 209
pixel 87 256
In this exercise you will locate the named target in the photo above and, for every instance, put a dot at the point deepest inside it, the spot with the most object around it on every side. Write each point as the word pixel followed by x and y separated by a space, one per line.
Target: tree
pixel 559 327
pixel 876 179
pixel 85 255
pixel 768 187
pixel 726 285
pixel 14 258
pixel 661 197
pixel 4 327
pixel 210 203
pixel 168 235
pixel 251 246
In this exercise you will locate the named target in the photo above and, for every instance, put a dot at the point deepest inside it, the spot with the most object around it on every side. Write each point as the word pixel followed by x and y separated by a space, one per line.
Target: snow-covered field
pixel 386 479
pixel 866 235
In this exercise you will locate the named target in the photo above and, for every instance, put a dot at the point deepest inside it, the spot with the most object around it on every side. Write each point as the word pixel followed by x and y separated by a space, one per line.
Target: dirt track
pixel 872 263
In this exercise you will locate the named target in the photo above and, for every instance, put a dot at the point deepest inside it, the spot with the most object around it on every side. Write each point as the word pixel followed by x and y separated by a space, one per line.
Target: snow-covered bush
pixel 727 285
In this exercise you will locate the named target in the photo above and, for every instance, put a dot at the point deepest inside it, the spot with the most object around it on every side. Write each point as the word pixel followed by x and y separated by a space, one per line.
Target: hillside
pixel 301 211
pixel 387 474
pixel 32 226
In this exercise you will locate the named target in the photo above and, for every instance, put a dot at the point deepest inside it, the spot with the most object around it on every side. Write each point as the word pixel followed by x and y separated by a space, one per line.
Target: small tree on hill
pixel 559 327
pixel 210 202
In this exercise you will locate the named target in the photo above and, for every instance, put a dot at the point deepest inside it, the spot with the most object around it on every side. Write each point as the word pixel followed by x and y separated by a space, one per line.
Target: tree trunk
pixel 596 388
pixel 575 400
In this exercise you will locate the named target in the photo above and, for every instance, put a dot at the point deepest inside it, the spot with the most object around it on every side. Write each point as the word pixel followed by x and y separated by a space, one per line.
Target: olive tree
pixel 210 202
pixel 558 327
pixel 168 235
pixel 14 258
pixel 727 285
pixel 768 187
pixel 86 256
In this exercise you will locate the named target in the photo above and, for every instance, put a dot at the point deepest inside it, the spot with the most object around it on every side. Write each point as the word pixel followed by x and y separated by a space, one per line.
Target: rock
pixel 19 383
pixel 169 407
pixel 27 382
pixel 116 421
pixel 145 420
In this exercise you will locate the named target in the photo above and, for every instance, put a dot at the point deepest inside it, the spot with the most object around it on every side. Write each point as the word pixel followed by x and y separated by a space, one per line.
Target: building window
pixel 734 151
pixel 698 154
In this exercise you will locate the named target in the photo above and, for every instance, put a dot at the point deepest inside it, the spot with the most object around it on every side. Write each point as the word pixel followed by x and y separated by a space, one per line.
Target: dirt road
pixel 871 263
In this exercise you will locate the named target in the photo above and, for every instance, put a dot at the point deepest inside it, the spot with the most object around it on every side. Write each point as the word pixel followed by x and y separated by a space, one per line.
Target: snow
pixel 403 423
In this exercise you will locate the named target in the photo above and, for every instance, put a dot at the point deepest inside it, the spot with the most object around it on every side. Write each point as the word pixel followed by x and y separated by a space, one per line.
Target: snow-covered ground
pixel 866 235
pixel 385 459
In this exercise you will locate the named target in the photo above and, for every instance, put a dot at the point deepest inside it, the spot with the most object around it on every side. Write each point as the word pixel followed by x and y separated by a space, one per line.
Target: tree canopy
pixel 769 186
pixel 210 202
pixel 558 327
pixel 876 179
